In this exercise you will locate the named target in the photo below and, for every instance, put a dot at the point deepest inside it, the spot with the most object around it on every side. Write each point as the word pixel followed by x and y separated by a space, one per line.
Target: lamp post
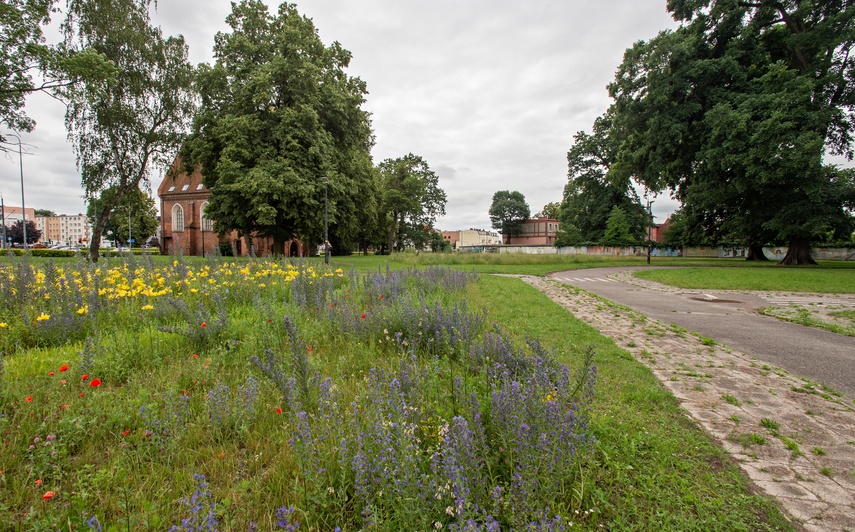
pixel 649 226
pixel 326 222
pixel 3 221
pixel 23 209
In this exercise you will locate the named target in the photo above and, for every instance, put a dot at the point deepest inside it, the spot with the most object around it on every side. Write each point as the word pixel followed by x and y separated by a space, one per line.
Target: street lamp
pixel 326 222
pixel 649 226
pixel 23 209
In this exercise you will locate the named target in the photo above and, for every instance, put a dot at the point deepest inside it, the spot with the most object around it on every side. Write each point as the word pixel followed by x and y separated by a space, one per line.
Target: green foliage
pixel 550 210
pixel 123 128
pixel 508 212
pixel 16 232
pixel 412 199
pixel 280 124
pixel 44 212
pixel 618 231
pixel 136 203
pixel 734 112
pixel 593 190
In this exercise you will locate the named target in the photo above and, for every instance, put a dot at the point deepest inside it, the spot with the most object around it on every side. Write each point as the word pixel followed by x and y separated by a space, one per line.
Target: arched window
pixel 177 218
pixel 207 225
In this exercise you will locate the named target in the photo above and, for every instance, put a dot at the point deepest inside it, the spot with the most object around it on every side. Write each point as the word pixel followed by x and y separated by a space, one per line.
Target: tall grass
pixel 264 394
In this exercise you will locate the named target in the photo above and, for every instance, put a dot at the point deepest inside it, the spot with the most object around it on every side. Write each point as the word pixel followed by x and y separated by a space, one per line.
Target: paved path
pixel 805 461
pixel 731 318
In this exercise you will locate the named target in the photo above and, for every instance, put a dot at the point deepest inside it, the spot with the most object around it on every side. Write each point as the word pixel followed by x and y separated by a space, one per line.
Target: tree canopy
pixel 412 199
pixel 16 232
pixel 29 65
pixel 508 212
pixel 280 121
pixel 136 208
pixel 593 190
pixel 734 112
pixel 123 129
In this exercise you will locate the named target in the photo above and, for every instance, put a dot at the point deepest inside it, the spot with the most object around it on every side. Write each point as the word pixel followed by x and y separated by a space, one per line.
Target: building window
pixel 177 218
pixel 207 225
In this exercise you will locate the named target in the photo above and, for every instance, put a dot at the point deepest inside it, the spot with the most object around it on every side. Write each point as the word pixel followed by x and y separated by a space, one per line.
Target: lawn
pixel 147 393
pixel 834 278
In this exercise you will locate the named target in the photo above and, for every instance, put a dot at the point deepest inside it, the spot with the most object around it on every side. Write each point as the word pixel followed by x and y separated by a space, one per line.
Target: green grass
pixel 838 279
pixel 653 467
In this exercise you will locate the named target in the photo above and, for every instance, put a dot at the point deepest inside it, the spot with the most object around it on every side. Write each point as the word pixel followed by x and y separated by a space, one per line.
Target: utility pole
pixel 649 226
pixel 23 208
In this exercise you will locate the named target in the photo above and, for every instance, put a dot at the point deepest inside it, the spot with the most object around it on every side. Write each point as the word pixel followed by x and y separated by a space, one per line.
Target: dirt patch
pixel 795 440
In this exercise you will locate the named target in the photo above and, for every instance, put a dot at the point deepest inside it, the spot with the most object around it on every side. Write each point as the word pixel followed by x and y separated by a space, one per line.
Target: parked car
pixel 38 245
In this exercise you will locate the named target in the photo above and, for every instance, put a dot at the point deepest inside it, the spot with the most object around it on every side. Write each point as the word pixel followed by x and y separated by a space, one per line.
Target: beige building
pixel 471 238
pixel 64 229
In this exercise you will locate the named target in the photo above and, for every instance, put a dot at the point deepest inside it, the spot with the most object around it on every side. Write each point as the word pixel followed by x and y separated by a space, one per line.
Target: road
pixel 732 319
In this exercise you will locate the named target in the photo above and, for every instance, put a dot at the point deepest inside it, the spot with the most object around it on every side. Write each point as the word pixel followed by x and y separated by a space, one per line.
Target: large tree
pixel 135 208
pixel 124 129
pixel 734 112
pixel 280 123
pixel 593 191
pixel 412 199
pixel 508 212
pixel 30 65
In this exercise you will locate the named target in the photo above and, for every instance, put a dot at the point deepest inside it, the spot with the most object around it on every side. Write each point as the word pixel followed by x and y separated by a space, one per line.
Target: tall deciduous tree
pixel 281 122
pixel 124 129
pixel 508 212
pixel 412 198
pixel 593 190
pixel 734 112
pixel 136 208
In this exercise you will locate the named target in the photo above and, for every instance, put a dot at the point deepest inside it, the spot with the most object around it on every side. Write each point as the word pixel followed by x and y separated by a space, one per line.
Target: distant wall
pixel 772 253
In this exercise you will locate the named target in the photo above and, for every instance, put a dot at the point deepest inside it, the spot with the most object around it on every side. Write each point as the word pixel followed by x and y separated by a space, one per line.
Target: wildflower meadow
pixel 269 394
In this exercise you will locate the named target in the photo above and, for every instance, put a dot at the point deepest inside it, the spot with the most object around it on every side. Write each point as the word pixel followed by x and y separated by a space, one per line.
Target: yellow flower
pixel 2 324
pixel 43 317
pixel 83 310
pixel 147 307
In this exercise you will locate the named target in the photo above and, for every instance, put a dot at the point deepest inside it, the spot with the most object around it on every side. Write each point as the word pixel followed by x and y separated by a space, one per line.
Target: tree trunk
pixel 755 252
pixel 393 230
pixel 798 253
pixel 97 232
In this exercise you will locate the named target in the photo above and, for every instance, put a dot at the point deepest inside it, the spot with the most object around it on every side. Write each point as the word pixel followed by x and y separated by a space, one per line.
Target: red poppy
pixel 51 374
pixel 63 368
pixel 62 381
pixel 81 394
pixel 29 399
pixel 195 355
pixel 309 347
pixel 84 376
pixel 95 382
pixel 125 433
pixel 48 495
pixel 278 410
pixel 269 321
pixel 38 482
pixel 381 296
pixel 331 305
pixel 204 324
pixel 363 316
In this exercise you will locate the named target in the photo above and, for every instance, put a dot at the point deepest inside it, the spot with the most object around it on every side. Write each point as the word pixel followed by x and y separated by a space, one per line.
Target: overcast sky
pixel 489 93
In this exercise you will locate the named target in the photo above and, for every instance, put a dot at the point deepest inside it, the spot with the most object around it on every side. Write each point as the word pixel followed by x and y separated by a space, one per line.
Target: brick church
pixel 184 227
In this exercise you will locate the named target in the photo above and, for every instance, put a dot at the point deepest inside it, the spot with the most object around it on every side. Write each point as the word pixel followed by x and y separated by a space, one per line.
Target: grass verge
pixel 833 279
pixel 653 467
